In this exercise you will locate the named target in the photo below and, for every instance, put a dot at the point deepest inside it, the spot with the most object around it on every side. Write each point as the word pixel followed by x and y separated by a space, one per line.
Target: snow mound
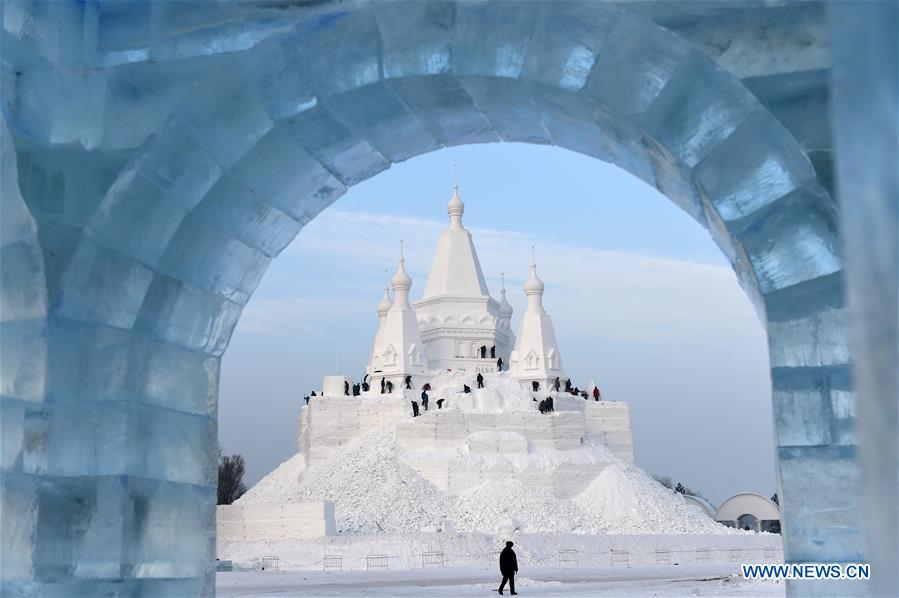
pixel 511 506
pixel 626 500
pixel 375 491
pixel 501 394
pixel 376 486
pixel 371 489
pixel 278 486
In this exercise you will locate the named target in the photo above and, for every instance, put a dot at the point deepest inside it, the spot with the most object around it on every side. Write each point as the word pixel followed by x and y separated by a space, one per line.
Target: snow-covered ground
pixel 719 579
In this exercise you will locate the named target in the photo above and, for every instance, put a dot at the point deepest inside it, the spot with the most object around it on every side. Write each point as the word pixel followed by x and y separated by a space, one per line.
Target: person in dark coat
pixel 313 393
pixel 480 380
pixel 306 398
pixel 508 566
pixel 541 406
pixel 483 351
pixel 499 364
pixel 440 403
pixel 409 382
pixel 346 388
pixel 415 409
pixel 535 385
pixel 568 385
pixel 424 399
pixel 557 383
pixel 389 387
pixel 493 351
pixel 549 404
pixel 365 387
pixel 355 390
pixel 383 385
pixel 466 388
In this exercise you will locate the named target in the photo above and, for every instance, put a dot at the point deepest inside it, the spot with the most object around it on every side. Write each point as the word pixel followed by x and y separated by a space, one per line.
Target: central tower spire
pixel 455 208
pixel 461 324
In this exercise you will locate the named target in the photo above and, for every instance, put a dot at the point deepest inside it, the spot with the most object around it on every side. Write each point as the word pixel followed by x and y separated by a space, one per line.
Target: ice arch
pixel 109 384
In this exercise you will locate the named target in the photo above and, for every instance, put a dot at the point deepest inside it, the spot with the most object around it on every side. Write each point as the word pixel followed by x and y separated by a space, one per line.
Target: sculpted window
pixel 389 356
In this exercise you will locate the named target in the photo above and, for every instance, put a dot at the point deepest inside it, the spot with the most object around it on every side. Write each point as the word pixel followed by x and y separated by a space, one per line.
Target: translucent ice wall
pixel 166 152
pixel 866 103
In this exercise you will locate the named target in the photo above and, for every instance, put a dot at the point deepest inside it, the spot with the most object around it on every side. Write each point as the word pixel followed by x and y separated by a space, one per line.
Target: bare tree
pixel 231 487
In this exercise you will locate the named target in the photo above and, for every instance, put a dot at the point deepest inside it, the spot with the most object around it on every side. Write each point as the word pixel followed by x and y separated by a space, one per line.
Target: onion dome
pixel 385 304
pixel 401 281
pixel 505 309
pixel 533 285
pixel 455 207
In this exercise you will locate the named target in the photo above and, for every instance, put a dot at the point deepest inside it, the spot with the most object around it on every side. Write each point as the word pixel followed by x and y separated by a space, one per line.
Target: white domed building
pixel 462 326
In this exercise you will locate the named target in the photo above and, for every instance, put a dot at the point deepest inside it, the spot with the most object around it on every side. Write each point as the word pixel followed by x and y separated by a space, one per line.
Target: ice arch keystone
pixel 249 123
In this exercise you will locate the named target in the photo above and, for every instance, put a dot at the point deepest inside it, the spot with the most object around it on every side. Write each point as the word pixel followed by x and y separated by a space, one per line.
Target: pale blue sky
pixel 642 299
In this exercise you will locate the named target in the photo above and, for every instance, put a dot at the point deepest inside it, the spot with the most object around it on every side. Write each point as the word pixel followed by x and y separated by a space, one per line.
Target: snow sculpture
pixel 243 122
pixel 536 357
pixel 398 351
pixel 456 314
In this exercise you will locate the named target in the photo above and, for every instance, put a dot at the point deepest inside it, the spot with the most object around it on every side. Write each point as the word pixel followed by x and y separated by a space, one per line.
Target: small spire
pixel 385 303
pixel 533 285
pixel 401 280
pixel 505 309
pixel 456 176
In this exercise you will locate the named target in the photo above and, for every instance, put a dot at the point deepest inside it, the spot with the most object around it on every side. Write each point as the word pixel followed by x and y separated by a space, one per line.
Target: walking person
pixel 346 388
pixel 383 385
pixel 424 399
pixel 557 383
pixel 499 364
pixel 415 409
pixel 480 380
pixel 408 382
pixel 596 395
pixel 508 566
pixel 493 351
pixel 483 351
pixel 389 387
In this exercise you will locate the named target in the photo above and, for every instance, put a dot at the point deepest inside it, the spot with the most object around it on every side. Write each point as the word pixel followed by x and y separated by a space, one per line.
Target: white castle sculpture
pixel 457 325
